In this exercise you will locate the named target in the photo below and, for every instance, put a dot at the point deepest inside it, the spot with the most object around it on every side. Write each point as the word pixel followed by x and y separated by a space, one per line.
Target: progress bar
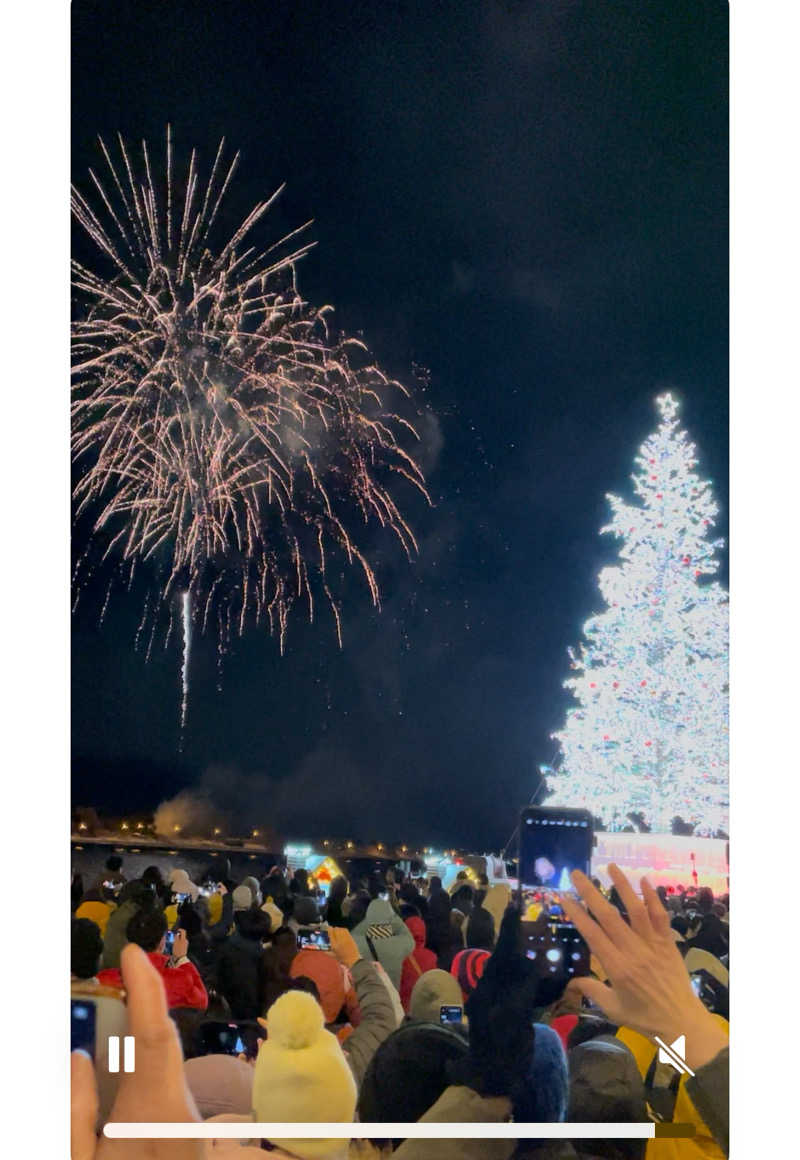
pixel 248 1130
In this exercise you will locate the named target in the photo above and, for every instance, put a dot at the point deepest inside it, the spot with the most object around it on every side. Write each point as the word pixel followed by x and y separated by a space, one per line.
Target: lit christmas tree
pixel 649 731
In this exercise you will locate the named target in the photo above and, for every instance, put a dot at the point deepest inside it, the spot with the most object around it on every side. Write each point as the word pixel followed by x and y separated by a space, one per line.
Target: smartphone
pixel 556 948
pixel 179 898
pixel 97 1017
pixel 169 940
pixel 230 1039
pixel 697 985
pixel 83 1026
pixel 449 1015
pixel 552 843
pixel 318 938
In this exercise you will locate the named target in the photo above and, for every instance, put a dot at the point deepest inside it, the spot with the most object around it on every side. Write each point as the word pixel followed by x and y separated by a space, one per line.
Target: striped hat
pixel 467 967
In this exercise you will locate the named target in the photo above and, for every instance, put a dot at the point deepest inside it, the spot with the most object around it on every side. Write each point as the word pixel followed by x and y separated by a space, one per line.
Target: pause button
pixel 128 1053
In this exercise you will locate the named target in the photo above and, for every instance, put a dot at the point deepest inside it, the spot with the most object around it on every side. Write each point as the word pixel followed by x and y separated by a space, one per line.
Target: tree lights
pixel 648 732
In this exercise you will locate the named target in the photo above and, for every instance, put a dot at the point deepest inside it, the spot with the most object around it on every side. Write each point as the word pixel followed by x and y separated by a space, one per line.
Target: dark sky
pixel 527 199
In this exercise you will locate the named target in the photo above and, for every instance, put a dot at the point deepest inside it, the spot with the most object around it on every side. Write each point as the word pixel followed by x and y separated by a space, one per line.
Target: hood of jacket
pixel 417 928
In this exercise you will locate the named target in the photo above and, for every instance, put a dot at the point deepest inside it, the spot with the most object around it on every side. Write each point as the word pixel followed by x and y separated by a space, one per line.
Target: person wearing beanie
pixel 181 883
pixel 337 995
pixel 418 962
pixel 542 1093
pixel 409 1072
pixel 220 1085
pixel 467 967
pixel 377 1013
pixel 304 912
pixel 302 1076
pixel 254 888
pixel 432 991
pixel 242 898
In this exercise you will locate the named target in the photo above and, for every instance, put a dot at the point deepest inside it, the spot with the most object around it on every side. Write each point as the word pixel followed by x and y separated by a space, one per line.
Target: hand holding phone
pixel 180 945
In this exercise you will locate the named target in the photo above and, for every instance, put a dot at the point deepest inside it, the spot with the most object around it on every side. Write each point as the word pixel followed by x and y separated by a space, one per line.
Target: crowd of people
pixel 392 1000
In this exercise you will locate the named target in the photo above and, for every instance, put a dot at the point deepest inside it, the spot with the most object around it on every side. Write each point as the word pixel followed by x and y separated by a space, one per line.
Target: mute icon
pixel 674 1054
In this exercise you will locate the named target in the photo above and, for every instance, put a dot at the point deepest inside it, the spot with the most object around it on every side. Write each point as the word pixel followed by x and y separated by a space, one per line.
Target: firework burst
pixel 219 430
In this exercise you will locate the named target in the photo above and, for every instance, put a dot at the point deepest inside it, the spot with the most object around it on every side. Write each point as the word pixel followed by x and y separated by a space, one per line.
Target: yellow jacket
pixel 702 1146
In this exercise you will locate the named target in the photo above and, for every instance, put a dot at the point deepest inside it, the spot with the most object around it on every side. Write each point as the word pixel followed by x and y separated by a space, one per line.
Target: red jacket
pixel 183 984
pixel 419 961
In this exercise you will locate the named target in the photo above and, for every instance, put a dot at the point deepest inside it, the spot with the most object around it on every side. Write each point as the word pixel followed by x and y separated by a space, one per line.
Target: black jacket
pixel 238 976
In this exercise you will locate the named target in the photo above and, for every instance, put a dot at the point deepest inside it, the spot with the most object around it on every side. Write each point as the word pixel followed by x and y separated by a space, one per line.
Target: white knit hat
pixel 302 1076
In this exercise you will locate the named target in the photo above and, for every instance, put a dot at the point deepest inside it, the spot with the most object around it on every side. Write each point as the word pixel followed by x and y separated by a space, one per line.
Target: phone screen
pixel 316 939
pixel 168 942
pixel 553 843
pixel 230 1039
pixel 450 1015
pixel 83 1025
pixel 556 948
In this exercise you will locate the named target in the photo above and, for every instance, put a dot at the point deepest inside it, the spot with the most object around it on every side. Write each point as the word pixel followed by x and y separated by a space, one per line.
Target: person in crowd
pixel 437 923
pixel 86 948
pixel 304 913
pixel 255 890
pixel 480 929
pixel 461 879
pixel 334 915
pixel 182 983
pixel 98 906
pixel 274 914
pixel 299 883
pixel 481 889
pixel 301 1075
pixel 497 899
pixel 467 967
pixel 418 962
pixel 276 964
pixel 335 990
pixel 133 897
pixel 275 887
pixel 153 878
pixel 410 895
pixel 711 935
pixel 205 940
pixel 432 991
pixel 409 1072
pixel 76 890
pixel 646 992
pixel 239 970
pixel 181 885
pixel 455 943
pixel 221 1085
pixel 112 877
pixel 382 935
pixel 541 1092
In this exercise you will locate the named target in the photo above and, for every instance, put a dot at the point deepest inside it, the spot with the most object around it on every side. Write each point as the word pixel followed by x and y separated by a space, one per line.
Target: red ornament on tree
pixel 648 744
pixel 592 685
pixel 644 683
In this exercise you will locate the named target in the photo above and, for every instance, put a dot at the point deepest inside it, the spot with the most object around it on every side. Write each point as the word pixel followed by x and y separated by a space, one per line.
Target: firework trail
pixel 187 644
pixel 220 432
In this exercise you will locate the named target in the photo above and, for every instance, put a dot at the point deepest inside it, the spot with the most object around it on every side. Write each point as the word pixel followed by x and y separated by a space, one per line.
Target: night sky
pixel 528 200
